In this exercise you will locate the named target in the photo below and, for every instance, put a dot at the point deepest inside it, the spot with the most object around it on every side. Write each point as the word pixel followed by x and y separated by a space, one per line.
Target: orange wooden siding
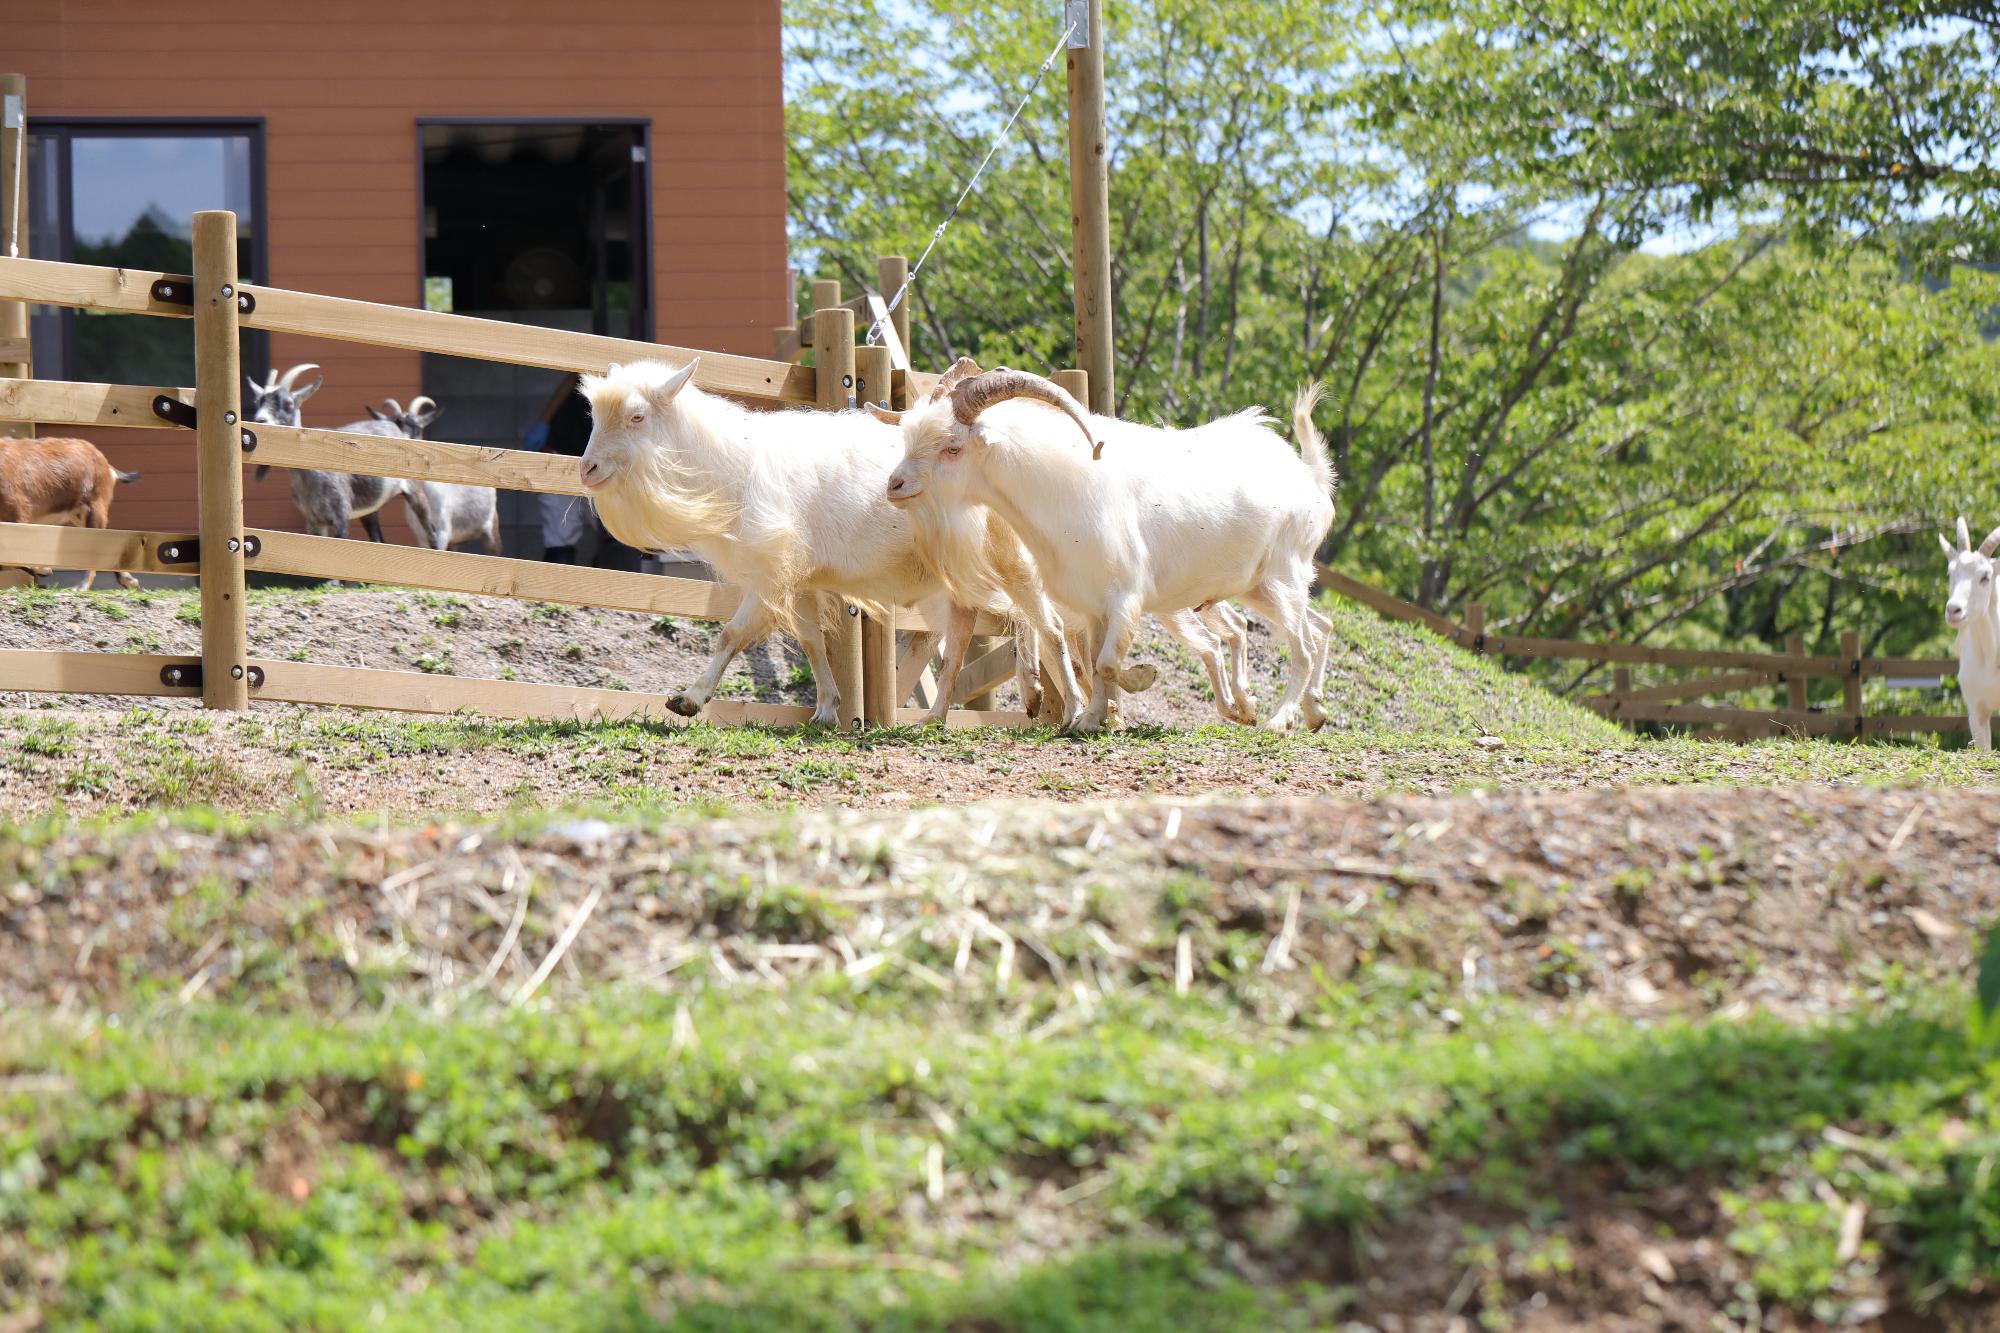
pixel 341 86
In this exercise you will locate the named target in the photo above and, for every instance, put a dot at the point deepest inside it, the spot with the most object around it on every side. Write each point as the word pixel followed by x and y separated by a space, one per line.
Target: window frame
pixel 256 352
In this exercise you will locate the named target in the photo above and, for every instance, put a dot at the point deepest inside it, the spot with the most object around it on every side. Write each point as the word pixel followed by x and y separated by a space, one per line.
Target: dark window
pixel 124 195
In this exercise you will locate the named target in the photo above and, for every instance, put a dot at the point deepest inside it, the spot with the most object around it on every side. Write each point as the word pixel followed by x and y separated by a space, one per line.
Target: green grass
pixel 654 1161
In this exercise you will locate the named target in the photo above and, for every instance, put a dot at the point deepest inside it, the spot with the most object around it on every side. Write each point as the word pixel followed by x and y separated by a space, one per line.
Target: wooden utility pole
pixel 1090 200
pixel 15 361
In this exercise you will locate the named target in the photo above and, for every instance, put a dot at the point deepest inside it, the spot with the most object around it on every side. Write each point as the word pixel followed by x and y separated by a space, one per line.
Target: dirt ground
pixel 543 642
pixel 1643 901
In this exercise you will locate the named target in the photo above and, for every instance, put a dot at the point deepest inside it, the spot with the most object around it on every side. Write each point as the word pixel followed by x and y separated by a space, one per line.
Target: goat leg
pixel 750 623
pixel 812 638
pixel 957 639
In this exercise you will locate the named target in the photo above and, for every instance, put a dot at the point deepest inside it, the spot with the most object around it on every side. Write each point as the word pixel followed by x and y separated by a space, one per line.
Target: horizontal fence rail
pixel 133 291
pixel 1732 672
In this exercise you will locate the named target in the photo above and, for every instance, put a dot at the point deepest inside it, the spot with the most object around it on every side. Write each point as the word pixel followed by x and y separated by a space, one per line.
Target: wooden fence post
pixel 891 272
pixel 833 379
pixel 1621 680
pixel 218 451
pixel 1850 654
pixel 872 377
pixel 15 360
pixel 1795 682
pixel 1475 626
pixel 873 383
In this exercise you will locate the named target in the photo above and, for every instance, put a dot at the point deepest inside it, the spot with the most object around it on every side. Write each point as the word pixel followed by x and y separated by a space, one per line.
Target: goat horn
pixel 420 402
pixel 1991 544
pixel 974 396
pixel 395 408
pixel 961 370
pixel 1964 537
pixel 291 376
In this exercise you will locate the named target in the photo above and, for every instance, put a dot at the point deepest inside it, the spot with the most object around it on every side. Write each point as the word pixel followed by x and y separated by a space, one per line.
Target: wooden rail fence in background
pixel 1726 673
pixel 876 678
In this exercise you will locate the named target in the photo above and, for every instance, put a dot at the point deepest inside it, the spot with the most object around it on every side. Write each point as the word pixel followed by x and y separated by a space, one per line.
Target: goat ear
pixel 1949 549
pixel 429 414
pixel 300 395
pixel 665 392
pixel 374 411
pixel 883 414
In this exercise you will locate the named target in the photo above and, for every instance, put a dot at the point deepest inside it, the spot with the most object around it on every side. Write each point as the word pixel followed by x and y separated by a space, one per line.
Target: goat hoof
pixel 684 706
pixel 127 581
pixel 1137 679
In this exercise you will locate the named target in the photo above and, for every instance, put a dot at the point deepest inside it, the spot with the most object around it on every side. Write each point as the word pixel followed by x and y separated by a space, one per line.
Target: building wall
pixel 341 85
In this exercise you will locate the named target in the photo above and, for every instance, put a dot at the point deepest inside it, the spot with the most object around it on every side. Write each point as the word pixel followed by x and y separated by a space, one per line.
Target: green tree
pixel 1527 407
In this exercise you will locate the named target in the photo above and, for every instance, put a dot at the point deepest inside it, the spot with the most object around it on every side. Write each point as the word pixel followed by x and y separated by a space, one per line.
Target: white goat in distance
pixel 786 506
pixel 1142 518
pixel 1973 609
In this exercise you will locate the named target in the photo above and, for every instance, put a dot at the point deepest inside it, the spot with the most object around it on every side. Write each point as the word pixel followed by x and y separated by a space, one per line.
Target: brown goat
pixel 63 481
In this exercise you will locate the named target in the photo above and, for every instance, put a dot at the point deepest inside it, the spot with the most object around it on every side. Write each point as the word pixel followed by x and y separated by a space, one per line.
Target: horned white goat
pixel 1973 609
pixel 787 506
pixel 1137 518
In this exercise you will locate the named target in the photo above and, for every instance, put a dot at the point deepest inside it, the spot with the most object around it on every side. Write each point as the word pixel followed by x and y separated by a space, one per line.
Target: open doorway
pixel 533 222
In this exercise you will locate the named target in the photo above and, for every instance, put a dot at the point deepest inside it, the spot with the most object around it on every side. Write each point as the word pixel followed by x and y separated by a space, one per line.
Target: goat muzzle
pixel 971 397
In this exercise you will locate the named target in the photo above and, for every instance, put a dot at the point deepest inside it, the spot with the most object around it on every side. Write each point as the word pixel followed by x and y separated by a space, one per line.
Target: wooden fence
pixel 875 676
pixel 1722 673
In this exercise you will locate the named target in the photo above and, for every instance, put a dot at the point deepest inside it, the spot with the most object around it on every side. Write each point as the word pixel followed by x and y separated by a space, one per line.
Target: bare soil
pixel 543 642
pixel 1642 901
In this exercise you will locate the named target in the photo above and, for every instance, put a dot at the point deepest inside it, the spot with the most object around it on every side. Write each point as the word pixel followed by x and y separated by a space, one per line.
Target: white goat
pixel 786 506
pixel 1143 519
pixel 1973 609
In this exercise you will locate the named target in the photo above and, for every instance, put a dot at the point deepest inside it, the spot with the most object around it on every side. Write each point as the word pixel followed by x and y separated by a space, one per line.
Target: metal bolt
pixel 227 290
pixel 229 418
pixel 233 543
pixel 174 675
pixel 236 673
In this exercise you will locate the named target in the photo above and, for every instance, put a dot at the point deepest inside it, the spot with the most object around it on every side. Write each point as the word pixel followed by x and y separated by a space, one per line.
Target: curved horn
pixel 1964 537
pixel 291 376
pixel 961 370
pixel 420 403
pixel 395 408
pixel 1991 544
pixel 974 396
pixel 255 387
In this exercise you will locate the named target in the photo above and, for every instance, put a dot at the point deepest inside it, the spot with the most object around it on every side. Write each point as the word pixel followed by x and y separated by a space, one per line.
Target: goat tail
pixel 1312 445
pixel 126 477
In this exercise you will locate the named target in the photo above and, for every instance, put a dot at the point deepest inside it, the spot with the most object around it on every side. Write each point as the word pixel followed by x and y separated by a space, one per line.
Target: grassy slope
pixel 1148 1164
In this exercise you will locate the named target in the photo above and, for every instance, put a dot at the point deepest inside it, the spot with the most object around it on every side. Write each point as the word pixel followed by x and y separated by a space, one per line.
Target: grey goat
pixel 328 500
pixel 457 513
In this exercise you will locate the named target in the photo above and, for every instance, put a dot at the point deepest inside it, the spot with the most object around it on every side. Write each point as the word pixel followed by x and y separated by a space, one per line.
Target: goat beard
pixel 656 507
pixel 958 550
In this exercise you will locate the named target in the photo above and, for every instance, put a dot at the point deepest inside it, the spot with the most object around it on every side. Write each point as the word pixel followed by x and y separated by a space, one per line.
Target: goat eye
pixel 952 450
pixel 639 420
